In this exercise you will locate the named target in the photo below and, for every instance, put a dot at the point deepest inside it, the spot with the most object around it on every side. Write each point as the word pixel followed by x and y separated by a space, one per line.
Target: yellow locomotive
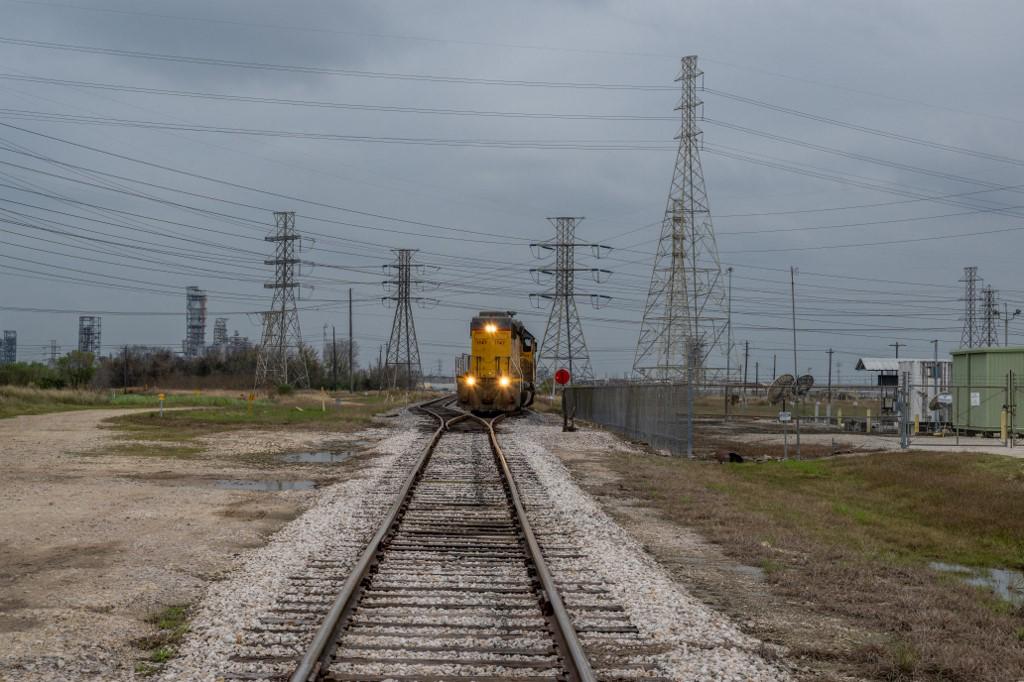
pixel 499 374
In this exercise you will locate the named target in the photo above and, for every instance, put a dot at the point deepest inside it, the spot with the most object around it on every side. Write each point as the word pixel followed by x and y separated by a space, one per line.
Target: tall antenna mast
pixel 685 314
pixel 281 334
pixel 564 344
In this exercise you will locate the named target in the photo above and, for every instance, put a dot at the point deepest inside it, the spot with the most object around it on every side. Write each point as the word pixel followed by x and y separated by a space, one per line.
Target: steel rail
pixel 319 650
pixel 575 659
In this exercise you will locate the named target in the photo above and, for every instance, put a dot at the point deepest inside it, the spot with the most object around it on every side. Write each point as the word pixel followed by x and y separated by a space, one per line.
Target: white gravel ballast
pixel 339 524
pixel 699 643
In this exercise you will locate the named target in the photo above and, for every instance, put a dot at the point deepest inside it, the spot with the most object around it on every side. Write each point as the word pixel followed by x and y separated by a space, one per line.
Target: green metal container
pixel 981 387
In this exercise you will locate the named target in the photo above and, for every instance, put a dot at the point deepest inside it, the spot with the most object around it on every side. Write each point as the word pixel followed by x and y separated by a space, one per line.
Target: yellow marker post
pixel 1002 426
pixel 839 417
pixel 917 424
pixel 867 425
pixel 162 404
pixel 252 398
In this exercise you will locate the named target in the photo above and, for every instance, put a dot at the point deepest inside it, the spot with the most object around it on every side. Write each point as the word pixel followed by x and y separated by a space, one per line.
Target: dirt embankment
pixel 98 534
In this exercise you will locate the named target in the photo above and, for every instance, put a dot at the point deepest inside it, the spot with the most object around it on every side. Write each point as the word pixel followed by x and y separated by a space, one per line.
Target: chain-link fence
pixel 657 413
pixel 652 413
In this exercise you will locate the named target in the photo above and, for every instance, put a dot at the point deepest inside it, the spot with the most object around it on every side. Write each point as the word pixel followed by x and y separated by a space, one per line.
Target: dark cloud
pixel 938 71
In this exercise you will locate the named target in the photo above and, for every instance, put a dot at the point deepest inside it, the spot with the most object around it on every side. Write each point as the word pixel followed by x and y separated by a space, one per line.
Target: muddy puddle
pixel 264 485
pixel 1005 583
pixel 323 457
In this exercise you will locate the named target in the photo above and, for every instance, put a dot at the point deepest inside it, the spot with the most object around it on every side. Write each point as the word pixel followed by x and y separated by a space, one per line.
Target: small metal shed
pixel 985 380
pixel 922 378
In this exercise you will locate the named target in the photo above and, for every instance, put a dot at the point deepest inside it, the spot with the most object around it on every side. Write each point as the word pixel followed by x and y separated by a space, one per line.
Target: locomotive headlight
pixel 470 379
pixel 504 381
pixel 490 327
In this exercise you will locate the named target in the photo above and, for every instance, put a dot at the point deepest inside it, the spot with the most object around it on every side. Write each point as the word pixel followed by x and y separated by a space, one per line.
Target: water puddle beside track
pixel 1007 584
pixel 265 485
pixel 324 457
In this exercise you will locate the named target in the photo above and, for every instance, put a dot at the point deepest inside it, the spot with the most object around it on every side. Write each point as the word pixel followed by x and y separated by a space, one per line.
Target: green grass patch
pixel 175 400
pixel 307 410
pixel 17 400
pixel 172 626
pixel 915 507
pixel 760 407
pixel 134 449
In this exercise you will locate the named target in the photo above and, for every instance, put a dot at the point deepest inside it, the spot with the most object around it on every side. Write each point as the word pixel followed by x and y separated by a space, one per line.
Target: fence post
pixel 1011 402
pixel 1004 413
pixel 690 379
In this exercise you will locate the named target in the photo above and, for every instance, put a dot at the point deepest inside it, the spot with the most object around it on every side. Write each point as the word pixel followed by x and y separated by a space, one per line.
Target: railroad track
pixel 453 586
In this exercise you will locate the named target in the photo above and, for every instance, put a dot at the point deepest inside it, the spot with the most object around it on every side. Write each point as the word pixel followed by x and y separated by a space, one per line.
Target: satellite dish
pixel 803 384
pixel 781 388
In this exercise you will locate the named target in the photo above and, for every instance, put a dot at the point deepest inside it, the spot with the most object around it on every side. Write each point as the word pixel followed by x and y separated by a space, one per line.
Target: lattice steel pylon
pixel 402 363
pixel 970 336
pixel 685 314
pixel 564 344
pixel 280 360
pixel 990 317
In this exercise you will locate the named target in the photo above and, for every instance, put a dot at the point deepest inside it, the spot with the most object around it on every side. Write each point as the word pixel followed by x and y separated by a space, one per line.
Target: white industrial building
pixel 924 377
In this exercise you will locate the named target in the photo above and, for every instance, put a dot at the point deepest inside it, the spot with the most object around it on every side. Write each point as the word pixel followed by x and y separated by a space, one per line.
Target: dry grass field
pixel 851 538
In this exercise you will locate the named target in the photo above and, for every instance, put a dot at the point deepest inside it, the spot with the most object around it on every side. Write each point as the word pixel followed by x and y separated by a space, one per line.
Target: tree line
pixel 136 367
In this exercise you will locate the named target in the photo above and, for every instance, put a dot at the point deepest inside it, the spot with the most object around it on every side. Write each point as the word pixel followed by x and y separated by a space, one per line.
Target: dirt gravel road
pixel 91 545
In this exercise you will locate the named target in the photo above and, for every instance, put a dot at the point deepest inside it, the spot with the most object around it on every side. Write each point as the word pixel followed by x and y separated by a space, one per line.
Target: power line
pixel 550 145
pixel 320 104
pixel 865 129
pixel 354 73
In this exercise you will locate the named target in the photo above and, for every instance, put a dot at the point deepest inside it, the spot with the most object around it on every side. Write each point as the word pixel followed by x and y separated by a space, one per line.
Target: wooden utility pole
pixel 728 345
pixel 334 359
pixel 746 361
pixel 830 351
pixel 351 348
pixel 897 346
pixel 796 368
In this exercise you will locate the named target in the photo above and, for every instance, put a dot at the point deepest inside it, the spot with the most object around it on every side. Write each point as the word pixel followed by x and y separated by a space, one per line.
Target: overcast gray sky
pixel 84 230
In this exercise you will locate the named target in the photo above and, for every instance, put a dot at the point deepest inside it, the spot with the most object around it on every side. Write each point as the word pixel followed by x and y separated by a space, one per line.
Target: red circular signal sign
pixel 562 376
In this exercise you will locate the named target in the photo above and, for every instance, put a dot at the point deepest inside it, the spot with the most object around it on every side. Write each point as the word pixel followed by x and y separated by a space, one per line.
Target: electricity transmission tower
pixel 282 338
pixel 970 336
pixel 402 363
pixel 564 344
pixel 685 314
pixel 990 313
